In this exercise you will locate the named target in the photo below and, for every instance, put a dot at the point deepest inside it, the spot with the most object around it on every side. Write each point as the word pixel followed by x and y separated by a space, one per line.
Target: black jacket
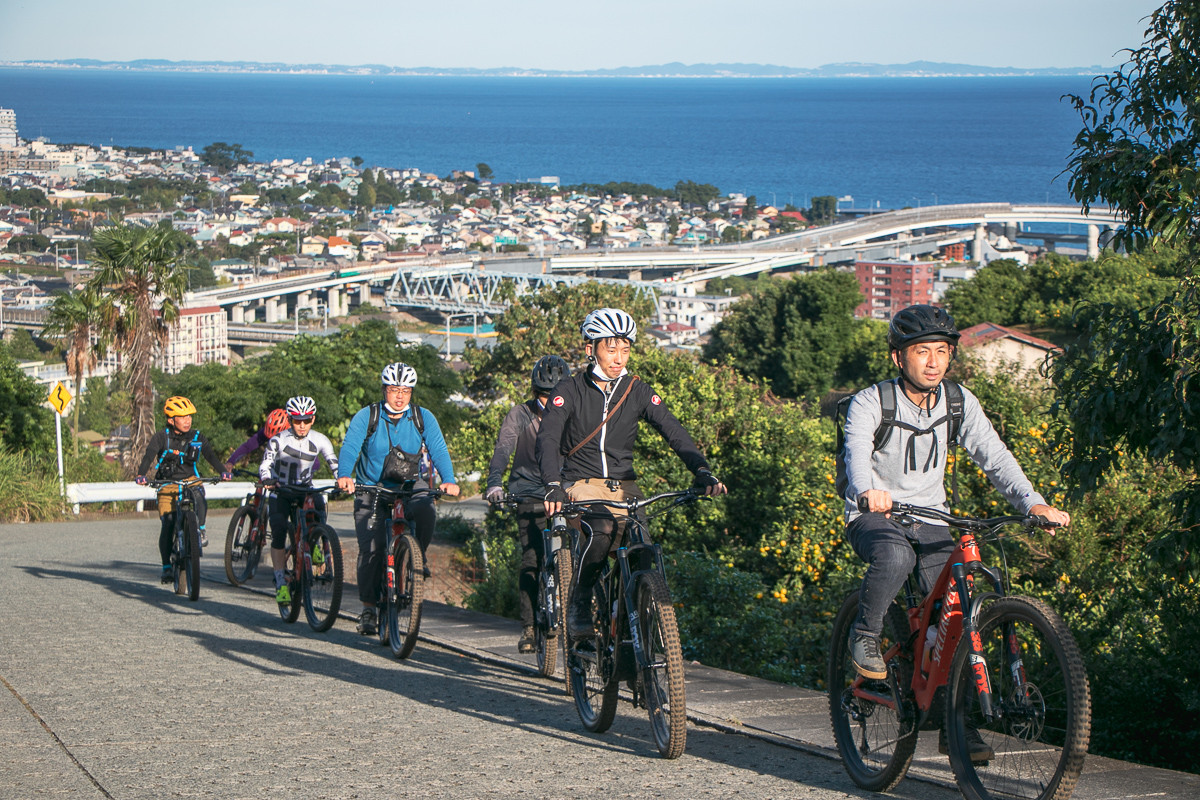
pixel 577 406
pixel 174 455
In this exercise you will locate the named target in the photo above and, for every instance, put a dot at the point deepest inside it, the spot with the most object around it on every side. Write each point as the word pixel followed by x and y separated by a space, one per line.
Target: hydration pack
pixel 887 402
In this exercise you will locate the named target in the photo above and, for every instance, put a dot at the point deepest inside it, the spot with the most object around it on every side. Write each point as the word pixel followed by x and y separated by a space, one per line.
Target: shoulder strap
pixel 418 420
pixel 373 422
pixel 887 404
pixel 955 403
pixel 632 380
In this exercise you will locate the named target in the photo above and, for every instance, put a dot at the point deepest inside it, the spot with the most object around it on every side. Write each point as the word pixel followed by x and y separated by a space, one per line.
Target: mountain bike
pixel 247 533
pixel 402 587
pixel 636 637
pixel 1004 666
pixel 185 546
pixel 313 565
pixel 554 584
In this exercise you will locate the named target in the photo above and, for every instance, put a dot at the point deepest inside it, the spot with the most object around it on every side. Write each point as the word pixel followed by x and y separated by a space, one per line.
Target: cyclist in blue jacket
pixel 366 457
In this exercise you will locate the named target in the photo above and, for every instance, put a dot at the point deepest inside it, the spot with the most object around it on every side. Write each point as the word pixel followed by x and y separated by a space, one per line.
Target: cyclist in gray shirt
pixel 910 467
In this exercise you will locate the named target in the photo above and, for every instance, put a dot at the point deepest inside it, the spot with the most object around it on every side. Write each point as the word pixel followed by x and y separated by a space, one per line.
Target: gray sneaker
pixel 980 750
pixel 366 622
pixel 864 653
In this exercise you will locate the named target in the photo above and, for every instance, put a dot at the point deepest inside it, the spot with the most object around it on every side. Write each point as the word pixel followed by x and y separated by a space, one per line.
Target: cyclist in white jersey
pixel 290 460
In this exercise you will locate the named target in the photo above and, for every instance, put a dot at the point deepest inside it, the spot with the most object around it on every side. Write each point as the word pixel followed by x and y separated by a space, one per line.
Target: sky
pixel 566 35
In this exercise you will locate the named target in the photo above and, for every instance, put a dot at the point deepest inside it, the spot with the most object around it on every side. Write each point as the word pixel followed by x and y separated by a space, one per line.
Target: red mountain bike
pixel 247 533
pixel 1001 665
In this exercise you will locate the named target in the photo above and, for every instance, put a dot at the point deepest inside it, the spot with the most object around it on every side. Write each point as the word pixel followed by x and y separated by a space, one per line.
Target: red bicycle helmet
pixel 277 423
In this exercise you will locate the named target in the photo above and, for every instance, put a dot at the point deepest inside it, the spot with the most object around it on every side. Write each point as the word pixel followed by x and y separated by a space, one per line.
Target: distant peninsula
pixel 914 69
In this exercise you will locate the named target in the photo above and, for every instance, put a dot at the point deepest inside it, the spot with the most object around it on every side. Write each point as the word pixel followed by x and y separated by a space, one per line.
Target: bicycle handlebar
pixel 374 487
pixel 579 506
pixel 966 523
pixel 187 482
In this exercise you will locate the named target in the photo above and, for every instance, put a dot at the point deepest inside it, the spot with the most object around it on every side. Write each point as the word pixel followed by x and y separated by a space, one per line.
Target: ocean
pixel 885 142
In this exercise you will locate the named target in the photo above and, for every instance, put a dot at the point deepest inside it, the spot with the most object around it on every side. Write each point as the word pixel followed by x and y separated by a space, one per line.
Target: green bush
pixel 496 547
pixel 28 492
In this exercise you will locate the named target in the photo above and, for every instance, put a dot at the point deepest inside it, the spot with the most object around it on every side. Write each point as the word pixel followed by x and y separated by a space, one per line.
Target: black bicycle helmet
pixel 548 372
pixel 921 323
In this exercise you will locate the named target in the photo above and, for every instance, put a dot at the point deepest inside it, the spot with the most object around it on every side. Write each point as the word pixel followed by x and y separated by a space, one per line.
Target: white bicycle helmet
pixel 399 374
pixel 301 408
pixel 608 323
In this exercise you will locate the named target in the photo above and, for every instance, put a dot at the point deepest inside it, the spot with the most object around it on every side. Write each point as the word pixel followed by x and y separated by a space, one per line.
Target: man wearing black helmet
pixel 518 435
pixel 585 446
pixel 926 415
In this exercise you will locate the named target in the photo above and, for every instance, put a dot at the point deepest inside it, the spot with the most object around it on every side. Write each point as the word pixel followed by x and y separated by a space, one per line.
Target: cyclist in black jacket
pixel 585 445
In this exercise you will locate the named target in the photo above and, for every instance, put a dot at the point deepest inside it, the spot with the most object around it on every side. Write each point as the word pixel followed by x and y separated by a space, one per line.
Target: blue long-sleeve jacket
pixel 403 433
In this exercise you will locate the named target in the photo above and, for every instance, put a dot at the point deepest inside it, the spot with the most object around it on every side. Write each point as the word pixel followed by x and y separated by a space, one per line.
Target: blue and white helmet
pixel 608 323
pixel 301 408
pixel 399 374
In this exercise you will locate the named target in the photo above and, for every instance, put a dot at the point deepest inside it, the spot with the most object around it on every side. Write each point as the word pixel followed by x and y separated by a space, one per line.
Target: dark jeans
pixel 281 503
pixel 166 531
pixel 531 521
pixel 887 547
pixel 371 513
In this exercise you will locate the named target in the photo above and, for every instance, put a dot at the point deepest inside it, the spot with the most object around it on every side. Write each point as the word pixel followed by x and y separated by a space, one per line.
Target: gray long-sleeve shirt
pixel 891 469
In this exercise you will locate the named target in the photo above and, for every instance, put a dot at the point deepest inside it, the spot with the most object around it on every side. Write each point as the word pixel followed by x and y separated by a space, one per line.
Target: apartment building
pixel 889 286
pixel 199 336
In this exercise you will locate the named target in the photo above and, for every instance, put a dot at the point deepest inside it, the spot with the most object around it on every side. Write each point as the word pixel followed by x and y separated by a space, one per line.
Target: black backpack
pixel 887 402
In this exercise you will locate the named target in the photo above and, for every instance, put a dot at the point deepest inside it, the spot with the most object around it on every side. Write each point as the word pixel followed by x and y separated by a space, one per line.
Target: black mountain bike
pixel 1005 669
pixel 402 586
pixel 247 533
pixel 185 547
pixel 554 584
pixel 636 638
pixel 313 566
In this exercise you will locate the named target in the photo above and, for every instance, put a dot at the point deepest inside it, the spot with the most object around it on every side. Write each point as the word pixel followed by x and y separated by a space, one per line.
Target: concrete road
pixel 113 687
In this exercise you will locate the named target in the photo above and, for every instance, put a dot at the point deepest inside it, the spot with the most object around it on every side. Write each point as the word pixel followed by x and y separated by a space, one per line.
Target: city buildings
pixel 8 128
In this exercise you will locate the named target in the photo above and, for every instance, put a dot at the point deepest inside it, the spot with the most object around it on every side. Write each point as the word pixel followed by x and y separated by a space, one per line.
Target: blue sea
pixel 886 142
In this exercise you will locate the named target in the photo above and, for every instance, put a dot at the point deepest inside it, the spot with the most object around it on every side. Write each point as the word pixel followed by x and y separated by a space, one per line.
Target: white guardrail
pixel 79 493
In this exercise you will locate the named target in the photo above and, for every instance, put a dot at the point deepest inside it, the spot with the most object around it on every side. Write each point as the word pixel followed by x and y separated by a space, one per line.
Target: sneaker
pixel 366 622
pixel 283 595
pixel 864 653
pixel 425 573
pixel 166 576
pixel 318 555
pixel 203 538
pixel 579 617
pixel 980 750
pixel 525 643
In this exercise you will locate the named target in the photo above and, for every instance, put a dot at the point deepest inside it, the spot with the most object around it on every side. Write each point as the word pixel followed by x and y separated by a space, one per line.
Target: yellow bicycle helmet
pixel 178 407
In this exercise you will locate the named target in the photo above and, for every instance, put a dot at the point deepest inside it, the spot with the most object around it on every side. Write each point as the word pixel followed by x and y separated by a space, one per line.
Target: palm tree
pixel 76 322
pixel 139 269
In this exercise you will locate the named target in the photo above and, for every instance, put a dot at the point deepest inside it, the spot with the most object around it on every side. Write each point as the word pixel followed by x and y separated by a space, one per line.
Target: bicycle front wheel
pixel 191 560
pixel 545 623
pixel 242 551
pixel 564 573
pixel 1041 723
pixel 875 735
pixel 290 612
pixel 662 677
pixel 323 578
pixel 404 603
pixel 591 673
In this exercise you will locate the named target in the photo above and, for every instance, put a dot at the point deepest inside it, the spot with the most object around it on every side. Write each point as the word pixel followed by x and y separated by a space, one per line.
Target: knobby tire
pixel 876 742
pixel 290 612
pixel 242 554
pixel 593 672
pixel 322 585
pixel 404 605
pixel 191 562
pixel 1040 737
pixel 564 573
pixel 662 678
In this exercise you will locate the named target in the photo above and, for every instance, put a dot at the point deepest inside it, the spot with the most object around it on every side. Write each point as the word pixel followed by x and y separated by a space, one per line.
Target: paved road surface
pixel 115 687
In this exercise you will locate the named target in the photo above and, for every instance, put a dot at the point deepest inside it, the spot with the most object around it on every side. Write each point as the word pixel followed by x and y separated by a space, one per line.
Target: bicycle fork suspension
pixel 979 670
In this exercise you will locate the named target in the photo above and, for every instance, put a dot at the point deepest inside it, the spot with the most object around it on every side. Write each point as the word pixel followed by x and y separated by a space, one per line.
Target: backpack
pixel 887 403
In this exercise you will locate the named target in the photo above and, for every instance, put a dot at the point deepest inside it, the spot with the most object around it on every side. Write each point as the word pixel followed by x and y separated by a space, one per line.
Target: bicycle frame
pixel 953 607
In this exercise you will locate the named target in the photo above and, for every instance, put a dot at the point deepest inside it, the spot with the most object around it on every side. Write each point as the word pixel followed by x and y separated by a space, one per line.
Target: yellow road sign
pixel 59 398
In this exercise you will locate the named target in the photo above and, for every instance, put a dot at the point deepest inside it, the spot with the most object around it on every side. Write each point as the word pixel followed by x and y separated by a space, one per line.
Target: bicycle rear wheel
pixel 564 573
pixel 191 561
pixel 243 546
pixel 875 738
pixel 290 612
pixel 179 557
pixel 404 604
pixel 323 578
pixel 546 613
pixel 662 678
pixel 592 674
pixel 1041 728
